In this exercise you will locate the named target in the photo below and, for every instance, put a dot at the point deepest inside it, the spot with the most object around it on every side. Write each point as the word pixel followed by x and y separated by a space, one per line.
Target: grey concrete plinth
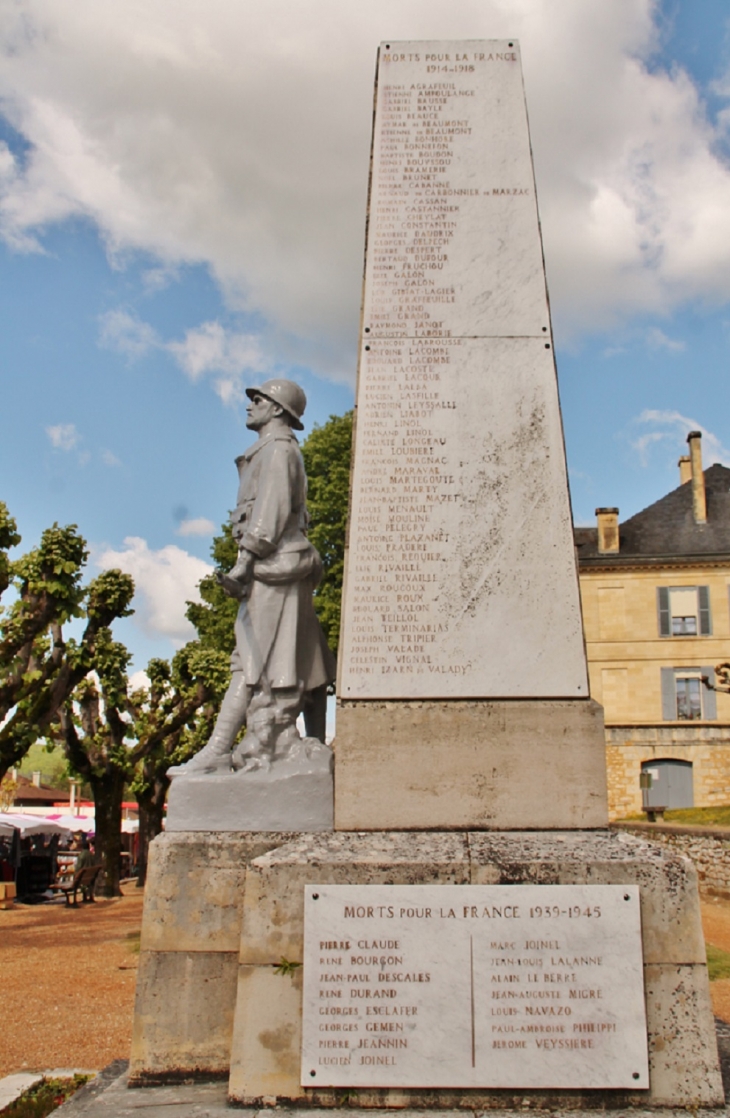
pixel 266 1043
pixel 293 795
pixel 502 765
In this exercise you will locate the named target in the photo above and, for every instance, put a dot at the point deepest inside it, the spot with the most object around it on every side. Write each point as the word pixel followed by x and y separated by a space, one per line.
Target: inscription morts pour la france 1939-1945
pixel 455 986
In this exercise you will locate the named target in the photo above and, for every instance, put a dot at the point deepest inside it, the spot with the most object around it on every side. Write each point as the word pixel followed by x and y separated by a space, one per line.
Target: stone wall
pixel 706 746
pixel 708 849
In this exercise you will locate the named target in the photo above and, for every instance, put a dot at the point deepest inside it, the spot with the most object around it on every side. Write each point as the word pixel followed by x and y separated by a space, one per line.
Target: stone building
pixel 655 593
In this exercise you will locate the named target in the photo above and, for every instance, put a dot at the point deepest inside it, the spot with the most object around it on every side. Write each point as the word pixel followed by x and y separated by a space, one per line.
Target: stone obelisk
pixel 463 691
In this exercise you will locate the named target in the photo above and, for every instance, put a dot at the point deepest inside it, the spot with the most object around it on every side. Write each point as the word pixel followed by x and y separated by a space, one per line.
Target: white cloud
pixel 139 681
pixel 63 436
pixel 122 331
pixel 237 136
pixel 657 339
pixel 669 429
pixel 200 526
pixel 164 581
pixel 228 356
pixel 110 459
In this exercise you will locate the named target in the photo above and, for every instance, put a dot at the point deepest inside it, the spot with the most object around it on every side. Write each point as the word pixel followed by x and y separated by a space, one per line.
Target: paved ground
pixel 109 1097
pixel 69 975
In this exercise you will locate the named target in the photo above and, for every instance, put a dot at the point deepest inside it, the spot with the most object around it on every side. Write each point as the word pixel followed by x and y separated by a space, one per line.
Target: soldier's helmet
pixel 286 394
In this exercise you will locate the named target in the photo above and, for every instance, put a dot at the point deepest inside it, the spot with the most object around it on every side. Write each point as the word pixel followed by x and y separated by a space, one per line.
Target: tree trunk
pixel 108 795
pixel 151 814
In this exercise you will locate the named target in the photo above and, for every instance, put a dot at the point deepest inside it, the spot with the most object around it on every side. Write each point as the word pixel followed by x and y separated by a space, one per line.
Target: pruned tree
pixel 96 732
pixel 172 721
pixel 39 669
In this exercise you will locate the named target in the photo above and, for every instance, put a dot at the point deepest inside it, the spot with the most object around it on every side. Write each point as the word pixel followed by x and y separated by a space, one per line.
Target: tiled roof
pixel 667 529
pixel 29 793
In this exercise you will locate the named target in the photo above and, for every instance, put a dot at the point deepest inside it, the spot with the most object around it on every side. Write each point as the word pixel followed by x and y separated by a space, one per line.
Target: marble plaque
pixel 511 986
pixel 460 573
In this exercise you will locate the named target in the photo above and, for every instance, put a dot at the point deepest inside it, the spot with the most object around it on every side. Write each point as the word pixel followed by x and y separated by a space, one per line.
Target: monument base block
pixel 295 794
pixel 188 960
pixel 502 765
pixel 267 1032
pixel 219 987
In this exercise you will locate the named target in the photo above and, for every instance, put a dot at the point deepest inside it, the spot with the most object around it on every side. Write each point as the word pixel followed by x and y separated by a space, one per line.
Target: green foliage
pixel 327 452
pixel 215 616
pixel 38 668
pixel 285 966
pixel 109 596
pixel 171 719
pixel 718 963
pixel 44 1097
pixel 9 537
pixel 49 760
pixel 48 583
pixel 8 792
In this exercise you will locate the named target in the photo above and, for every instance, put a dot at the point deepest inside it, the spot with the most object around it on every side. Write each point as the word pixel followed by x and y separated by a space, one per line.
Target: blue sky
pixel 182 201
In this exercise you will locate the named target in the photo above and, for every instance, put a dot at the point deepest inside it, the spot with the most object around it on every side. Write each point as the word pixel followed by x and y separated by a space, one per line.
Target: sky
pixel 182 214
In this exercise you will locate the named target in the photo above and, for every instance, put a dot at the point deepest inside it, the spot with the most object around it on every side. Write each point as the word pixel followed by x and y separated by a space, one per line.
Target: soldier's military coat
pixel 278 635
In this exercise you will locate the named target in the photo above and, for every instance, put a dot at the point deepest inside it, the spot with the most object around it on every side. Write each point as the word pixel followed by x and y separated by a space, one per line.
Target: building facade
pixel 656 612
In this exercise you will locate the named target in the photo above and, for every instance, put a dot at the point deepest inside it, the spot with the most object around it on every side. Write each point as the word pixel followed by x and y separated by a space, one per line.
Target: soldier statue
pixel 281 664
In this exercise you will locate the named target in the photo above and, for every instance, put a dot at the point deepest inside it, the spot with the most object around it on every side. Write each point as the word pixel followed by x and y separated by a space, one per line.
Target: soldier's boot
pixel 215 756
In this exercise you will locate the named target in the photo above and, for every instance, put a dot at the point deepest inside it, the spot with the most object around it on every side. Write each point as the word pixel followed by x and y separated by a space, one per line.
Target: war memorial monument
pixel 437 916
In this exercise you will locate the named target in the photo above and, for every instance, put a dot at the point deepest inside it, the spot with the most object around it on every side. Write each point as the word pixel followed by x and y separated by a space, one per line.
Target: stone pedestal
pixel 514 765
pixel 265 1054
pixel 188 961
pixel 295 794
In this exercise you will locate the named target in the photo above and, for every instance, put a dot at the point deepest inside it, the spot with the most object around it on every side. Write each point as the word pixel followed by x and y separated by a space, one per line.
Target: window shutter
pixel 669 695
pixel 709 698
pixel 703 593
pixel 665 621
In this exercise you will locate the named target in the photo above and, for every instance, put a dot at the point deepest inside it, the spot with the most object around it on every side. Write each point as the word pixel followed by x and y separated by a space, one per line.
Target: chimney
pixel 36 778
pixel 607 531
pixel 685 469
pixel 699 503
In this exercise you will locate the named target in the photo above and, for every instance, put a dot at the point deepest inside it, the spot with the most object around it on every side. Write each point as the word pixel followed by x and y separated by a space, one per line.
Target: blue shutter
pixel 703 593
pixel 665 621
pixel 709 698
pixel 669 695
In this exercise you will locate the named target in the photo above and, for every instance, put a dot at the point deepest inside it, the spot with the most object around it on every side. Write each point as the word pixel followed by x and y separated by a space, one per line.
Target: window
pixel 685 697
pixel 689 697
pixel 684 611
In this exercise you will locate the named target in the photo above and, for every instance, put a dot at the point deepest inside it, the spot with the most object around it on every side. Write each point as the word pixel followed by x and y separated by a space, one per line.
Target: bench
pixel 83 880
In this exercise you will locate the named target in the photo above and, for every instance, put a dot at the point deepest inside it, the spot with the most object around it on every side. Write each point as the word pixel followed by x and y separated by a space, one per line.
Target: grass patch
pixel 691 816
pixel 44 1097
pixel 718 963
pixel 133 941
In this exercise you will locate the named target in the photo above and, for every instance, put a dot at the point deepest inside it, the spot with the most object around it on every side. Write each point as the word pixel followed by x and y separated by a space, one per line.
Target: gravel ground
pixel 67 981
pixel 68 976
pixel 716 923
